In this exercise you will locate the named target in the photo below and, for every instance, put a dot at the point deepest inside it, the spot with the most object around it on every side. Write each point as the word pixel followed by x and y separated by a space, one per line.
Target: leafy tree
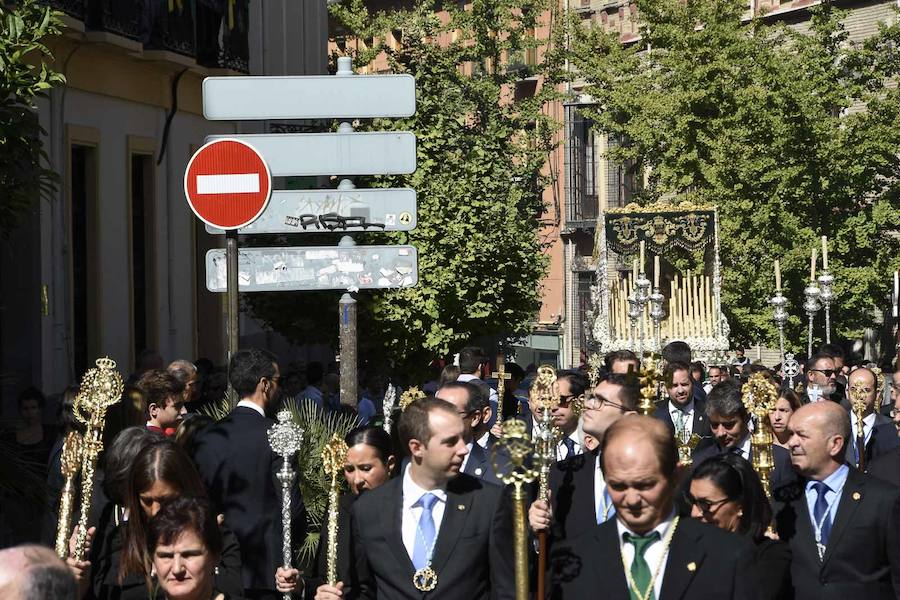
pixel 24 75
pixel 765 122
pixel 480 175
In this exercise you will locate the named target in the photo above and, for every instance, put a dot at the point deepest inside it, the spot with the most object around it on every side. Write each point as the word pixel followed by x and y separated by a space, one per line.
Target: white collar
pixel 412 492
pixel 483 440
pixel 253 405
pixel 688 408
pixel 662 528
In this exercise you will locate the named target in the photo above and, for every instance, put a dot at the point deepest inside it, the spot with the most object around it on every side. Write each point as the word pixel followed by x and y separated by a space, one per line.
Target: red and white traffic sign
pixel 227 184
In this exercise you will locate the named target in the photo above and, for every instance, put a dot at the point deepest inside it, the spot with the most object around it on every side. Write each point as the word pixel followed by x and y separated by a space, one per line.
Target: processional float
pixel 682 303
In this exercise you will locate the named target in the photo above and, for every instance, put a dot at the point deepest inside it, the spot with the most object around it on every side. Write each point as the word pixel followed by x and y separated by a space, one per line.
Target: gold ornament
pixel 410 396
pixel 70 464
pixel 334 455
pixel 759 396
pixel 425 579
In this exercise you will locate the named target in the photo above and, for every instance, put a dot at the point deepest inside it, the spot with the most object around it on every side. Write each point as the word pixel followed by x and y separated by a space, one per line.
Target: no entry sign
pixel 227 184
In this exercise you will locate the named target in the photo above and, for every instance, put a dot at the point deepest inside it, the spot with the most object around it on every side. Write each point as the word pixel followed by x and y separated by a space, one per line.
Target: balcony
pixel 212 34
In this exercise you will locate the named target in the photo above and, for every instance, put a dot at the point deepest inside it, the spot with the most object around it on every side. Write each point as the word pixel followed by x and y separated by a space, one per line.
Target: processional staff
pixel 501 376
pixel 759 396
pixel 101 387
pixel 70 465
pixel 334 455
pixel 857 396
pixel 387 406
pixel 286 438
pixel 515 444
pixel 544 395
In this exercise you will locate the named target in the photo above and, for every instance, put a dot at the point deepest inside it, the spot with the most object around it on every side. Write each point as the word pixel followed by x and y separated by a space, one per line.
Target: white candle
pixel 634 267
pixel 824 253
pixel 777 276
pixel 643 245
pixel 812 266
pixel 896 291
pixel 656 271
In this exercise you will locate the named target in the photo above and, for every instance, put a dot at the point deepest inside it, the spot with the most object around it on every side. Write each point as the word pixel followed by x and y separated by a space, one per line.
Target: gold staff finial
pixel 857 393
pixel 410 396
pixel 759 396
pixel 70 464
pixel 334 455
pixel 101 387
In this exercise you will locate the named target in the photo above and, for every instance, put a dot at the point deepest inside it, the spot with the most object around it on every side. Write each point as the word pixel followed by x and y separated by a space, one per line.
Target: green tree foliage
pixel 24 75
pixel 481 152
pixel 793 135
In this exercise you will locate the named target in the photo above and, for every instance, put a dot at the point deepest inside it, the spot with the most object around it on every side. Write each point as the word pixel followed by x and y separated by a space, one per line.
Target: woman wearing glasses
pixel 725 491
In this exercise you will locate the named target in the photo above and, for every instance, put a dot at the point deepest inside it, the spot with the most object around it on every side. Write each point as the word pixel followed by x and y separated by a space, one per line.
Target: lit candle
pixel 656 271
pixel 812 266
pixel 643 245
pixel 824 253
pixel 777 275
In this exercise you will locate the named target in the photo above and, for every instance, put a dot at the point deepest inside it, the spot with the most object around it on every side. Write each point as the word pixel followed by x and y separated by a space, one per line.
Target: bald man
pixel 646 548
pixel 843 526
pixel 880 434
pixel 35 573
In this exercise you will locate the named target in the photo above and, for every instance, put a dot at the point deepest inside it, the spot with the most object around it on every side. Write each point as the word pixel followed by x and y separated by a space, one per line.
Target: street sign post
pixel 216 194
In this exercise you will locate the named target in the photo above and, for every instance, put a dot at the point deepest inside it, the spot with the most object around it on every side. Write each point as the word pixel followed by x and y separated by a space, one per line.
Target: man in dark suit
pixel 729 422
pixel 239 469
pixel 843 526
pixel 880 434
pixel 432 529
pixel 821 379
pixel 470 404
pixel 647 549
pixel 578 495
pixel 683 411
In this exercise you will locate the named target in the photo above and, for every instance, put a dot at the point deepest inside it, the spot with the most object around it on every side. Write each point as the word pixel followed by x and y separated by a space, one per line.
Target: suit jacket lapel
pixel 477 458
pixel 608 559
pixel 455 514
pixel 683 552
pixel 850 497
pixel 393 525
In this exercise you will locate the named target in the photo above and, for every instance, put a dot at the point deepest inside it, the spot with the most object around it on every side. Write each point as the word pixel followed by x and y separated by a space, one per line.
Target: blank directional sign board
pixel 316 268
pixel 357 153
pixel 325 97
pixel 352 210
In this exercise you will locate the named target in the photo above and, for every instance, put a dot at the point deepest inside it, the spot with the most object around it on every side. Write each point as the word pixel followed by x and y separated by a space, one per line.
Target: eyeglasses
pixel 565 400
pixel 709 507
pixel 826 372
pixel 595 402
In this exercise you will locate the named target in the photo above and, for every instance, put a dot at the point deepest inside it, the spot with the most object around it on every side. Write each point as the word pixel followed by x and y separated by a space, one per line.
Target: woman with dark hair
pixel 726 492
pixel 184 545
pixel 370 463
pixel 188 428
pixel 787 403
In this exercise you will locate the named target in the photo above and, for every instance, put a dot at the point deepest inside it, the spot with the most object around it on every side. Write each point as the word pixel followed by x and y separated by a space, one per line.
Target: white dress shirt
pixel 687 411
pixel 868 425
pixel 253 405
pixel 653 554
pixel 483 440
pixel 603 507
pixel 412 511
pixel 462 468
pixel 743 448
pixel 562 451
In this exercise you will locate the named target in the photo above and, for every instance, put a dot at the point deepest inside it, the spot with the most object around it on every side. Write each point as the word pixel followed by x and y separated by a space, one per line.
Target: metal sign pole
pixel 231 265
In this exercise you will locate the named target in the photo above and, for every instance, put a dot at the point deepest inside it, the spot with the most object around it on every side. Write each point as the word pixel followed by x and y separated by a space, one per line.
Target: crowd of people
pixel 190 508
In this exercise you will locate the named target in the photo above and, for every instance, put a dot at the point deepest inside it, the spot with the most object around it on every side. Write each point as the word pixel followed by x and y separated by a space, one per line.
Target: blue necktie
pixel 820 509
pixel 570 447
pixel 424 532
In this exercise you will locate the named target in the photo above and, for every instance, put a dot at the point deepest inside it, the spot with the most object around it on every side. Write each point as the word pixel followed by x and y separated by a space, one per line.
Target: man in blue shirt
pixel 843 525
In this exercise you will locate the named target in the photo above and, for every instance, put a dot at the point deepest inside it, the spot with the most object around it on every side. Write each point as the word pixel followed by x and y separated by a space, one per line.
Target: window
pixel 581 330
pixel 581 166
pixel 143 290
pixel 84 330
pixel 624 180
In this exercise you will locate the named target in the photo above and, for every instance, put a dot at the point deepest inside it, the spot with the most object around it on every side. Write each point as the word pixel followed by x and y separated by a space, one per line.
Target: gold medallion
pixel 425 579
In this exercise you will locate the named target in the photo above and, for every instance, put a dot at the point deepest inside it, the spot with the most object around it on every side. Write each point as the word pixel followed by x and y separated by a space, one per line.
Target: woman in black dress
pixel 726 492
pixel 370 463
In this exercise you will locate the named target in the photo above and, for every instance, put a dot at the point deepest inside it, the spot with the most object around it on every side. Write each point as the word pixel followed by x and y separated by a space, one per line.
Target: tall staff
pixel 70 465
pixel 501 376
pixel 759 396
pixel 857 395
pixel 545 395
pixel 285 438
pixel 101 387
pixel 515 443
pixel 334 455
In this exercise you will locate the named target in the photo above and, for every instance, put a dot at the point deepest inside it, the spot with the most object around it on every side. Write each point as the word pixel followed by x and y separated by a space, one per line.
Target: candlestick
pixel 285 439
pixel 811 306
pixel 824 253
pixel 777 276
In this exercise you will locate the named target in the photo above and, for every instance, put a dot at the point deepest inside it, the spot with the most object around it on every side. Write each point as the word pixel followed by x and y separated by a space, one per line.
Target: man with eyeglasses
pixel 470 403
pixel 729 422
pixel 578 495
pixel 572 386
pixel 821 377
pixel 879 433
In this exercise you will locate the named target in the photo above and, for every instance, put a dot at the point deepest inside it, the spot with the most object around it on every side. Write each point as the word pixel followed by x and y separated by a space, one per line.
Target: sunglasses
pixel 707 506
pixel 825 372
